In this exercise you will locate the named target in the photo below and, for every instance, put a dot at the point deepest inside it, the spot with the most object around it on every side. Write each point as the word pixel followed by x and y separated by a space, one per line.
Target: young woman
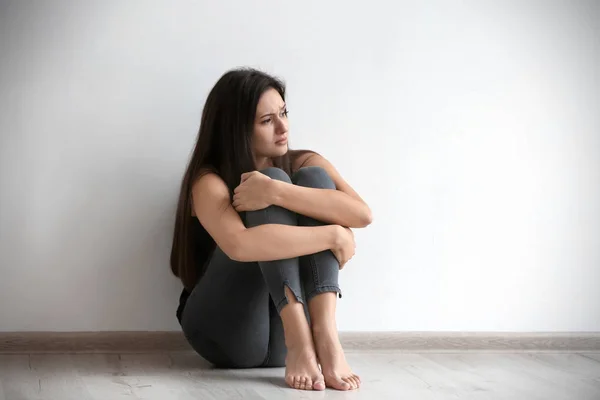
pixel 260 236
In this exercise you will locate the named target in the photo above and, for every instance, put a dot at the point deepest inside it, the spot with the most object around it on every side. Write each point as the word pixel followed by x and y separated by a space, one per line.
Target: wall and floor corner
pixel 472 130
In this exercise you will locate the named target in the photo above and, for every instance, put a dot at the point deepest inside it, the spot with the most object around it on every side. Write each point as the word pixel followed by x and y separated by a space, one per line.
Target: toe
pixel 354 381
pixel 289 380
pixel 298 382
pixel 349 382
pixel 319 385
pixel 303 383
pixel 309 384
pixel 339 384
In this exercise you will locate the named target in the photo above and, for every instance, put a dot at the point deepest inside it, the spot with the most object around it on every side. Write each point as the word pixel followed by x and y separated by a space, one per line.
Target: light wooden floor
pixel 385 375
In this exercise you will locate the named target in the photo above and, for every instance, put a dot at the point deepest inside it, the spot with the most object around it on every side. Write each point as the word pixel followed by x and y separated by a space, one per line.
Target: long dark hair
pixel 223 146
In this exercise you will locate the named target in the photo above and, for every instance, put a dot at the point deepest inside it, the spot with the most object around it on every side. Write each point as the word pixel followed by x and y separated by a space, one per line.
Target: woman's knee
pixel 277 174
pixel 313 176
pixel 272 214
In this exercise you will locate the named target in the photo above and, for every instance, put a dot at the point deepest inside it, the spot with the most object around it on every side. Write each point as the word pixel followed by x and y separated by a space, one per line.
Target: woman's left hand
pixel 253 193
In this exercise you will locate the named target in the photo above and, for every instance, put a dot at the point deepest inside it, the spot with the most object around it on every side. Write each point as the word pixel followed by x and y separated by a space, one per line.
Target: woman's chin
pixel 280 152
pixel 274 153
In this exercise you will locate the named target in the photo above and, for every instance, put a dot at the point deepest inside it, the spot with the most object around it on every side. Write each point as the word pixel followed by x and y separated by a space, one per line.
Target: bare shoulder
pixel 209 187
pixel 299 158
pixel 209 180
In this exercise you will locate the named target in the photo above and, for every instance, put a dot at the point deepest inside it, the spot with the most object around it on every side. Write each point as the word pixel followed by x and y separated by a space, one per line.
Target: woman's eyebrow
pixel 272 113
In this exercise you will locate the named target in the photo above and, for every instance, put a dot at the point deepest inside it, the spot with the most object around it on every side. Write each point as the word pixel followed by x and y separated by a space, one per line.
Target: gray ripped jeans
pixel 231 317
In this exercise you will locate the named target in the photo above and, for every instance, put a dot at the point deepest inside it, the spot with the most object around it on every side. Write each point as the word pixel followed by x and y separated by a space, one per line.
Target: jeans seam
pixel 281 303
pixel 268 356
pixel 324 289
pixel 285 300
pixel 315 270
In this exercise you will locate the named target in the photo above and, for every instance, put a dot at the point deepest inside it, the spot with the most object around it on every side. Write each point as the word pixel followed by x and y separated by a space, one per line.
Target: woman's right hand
pixel 344 246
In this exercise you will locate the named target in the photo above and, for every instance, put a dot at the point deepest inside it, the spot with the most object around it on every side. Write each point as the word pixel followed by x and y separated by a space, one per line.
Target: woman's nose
pixel 281 125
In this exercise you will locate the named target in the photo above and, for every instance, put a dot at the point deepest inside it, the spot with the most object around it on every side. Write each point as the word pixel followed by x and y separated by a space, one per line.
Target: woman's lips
pixel 281 141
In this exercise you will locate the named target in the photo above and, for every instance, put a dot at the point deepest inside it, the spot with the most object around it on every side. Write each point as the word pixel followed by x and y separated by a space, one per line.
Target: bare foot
pixel 336 370
pixel 301 369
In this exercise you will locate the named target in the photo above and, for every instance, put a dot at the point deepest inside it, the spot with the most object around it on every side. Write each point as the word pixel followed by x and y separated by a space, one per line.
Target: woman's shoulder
pixel 208 182
pixel 206 175
pixel 299 157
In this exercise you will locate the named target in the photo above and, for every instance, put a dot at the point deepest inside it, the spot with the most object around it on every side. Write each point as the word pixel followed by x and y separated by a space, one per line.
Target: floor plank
pixel 591 356
pixel 385 375
pixel 58 377
pixel 17 380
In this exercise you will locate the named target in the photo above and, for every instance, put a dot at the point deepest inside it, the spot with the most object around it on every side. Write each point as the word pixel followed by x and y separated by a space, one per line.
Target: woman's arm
pixel 342 206
pixel 268 242
pixel 276 242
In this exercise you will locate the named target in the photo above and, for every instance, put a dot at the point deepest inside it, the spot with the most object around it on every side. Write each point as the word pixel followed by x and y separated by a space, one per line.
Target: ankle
pixel 297 334
pixel 325 329
pixel 299 342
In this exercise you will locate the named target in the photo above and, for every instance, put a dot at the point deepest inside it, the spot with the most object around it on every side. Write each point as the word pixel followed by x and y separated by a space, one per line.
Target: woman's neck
pixel 263 162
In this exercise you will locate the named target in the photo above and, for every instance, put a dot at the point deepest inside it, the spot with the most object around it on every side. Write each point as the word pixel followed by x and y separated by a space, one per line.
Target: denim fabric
pixel 231 318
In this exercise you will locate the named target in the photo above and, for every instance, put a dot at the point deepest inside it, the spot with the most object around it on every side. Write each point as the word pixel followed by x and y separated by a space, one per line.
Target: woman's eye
pixel 266 121
pixel 284 113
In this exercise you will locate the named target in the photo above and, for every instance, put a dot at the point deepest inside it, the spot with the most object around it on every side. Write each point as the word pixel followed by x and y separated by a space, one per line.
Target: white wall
pixel 472 130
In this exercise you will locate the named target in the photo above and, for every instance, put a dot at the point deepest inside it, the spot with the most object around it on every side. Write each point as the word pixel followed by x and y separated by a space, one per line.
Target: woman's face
pixel 270 126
